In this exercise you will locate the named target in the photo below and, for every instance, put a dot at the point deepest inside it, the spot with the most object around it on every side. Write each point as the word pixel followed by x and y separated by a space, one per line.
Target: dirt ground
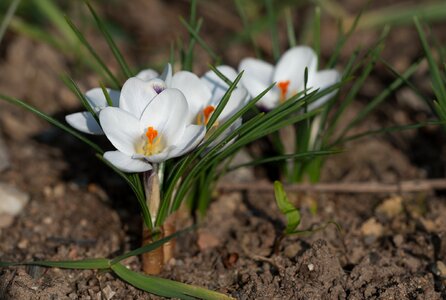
pixel 390 246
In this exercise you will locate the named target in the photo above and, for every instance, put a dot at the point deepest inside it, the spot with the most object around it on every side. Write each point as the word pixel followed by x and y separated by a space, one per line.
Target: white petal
pixel 255 87
pixel 215 84
pixel 322 80
pixel 291 66
pixel 125 163
pixel 195 90
pixel 97 99
pixel 167 74
pixel 239 98
pixel 259 69
pixel 121 128
pixel 167 113
pixel 135 95
pixel 192 136
pixel 85 122
pixel 147 74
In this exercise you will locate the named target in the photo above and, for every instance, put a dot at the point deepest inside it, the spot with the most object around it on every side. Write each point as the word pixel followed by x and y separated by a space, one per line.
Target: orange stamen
pixel 151 134
pixel 207 111
pixel 283 86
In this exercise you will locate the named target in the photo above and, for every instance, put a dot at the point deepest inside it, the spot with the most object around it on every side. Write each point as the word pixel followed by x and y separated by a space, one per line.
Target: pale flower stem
pixel 152 190
pixel 153 261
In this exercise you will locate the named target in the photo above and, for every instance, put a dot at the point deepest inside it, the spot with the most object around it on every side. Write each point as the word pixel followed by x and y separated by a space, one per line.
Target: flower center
pixel 152 145
pixel 203 118
pixel 283 87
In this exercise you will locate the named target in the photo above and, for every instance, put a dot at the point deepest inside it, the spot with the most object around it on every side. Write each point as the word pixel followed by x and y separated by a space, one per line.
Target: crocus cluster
pixel 157 117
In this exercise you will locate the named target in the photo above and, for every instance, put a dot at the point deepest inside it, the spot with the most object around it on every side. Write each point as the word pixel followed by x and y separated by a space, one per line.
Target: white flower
pixel 84 121
pixel 160 133
pixel 204 94
pixel 289 77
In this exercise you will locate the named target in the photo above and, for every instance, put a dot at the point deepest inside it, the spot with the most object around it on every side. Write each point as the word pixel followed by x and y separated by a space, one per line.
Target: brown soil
pixel 390 247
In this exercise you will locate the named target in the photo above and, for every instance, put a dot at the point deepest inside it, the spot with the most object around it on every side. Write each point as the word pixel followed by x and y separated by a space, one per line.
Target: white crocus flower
pixel 160 133
pixel 204 94
pixel 288 75
pixel 84 121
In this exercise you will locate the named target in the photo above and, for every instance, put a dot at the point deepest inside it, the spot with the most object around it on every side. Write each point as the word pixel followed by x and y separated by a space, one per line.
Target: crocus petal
pixel 85 122
pixel 166 76
pixel 167 114
pixel 121 128
pixel 215 84
pixel 97 100
pixel 291 66
pixel 135 95
pixel 258 69
pixel 322 80
pixel 237 101
pixel 192 136
pixel 125 163
pixel 255 87
pixel 147 74
pixel 195 90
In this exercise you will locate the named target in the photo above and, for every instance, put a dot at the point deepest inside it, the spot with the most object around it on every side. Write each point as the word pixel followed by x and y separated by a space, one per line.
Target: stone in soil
pixel 12 202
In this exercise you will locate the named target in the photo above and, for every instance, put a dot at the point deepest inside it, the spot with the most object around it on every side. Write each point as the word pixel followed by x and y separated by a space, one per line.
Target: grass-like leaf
pixel 273 28
pixel 89 263
pixel 8 17
pixel 165 287
pixel 83 40
pixel 150 247
pixel 200 41
pixel 111 43
pixel 294 156
pixel 53 121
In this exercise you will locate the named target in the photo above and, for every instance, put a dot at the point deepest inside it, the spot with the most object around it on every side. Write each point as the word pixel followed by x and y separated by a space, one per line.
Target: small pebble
pixel 310 267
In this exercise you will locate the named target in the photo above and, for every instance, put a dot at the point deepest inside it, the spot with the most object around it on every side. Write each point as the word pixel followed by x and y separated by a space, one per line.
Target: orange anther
pixel 151 134
pixel 283 86
pixel 207 111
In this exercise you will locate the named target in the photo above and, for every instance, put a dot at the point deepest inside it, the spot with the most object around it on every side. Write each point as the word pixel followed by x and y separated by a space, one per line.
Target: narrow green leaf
pixel 312 230
pixel 165 287
pixel 71 84
pixel 53 121
pixel 291 213
pixel 220 75
pixel 381 97
pixel 150 247
pixel 88 263
pixel 111 43
pixel 55 15
pixel 8 17
pixel 241 11
pixel 386 130
pixel 290 28
pixel 200 41
pixel 437 81
pixel 106 95
pixel 273 28
pixel 296 156
pixel 223 102
pixel 96 56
